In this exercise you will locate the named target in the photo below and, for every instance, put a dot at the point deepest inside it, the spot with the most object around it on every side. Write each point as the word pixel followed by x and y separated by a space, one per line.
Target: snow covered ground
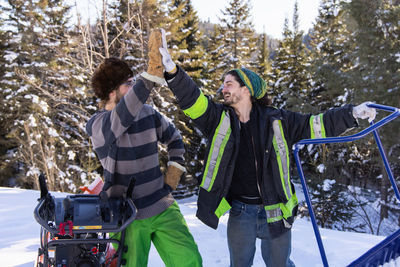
pixel 19 236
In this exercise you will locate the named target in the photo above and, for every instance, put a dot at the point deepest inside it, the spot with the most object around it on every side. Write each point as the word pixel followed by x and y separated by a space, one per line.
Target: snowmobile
pixel 77 230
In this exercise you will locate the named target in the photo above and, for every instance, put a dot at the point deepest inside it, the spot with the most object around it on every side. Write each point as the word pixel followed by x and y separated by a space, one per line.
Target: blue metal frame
pixel 382 253
pixel 372 128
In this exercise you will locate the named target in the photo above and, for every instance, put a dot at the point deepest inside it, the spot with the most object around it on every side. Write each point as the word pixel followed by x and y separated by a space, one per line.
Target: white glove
pixel 169 65
pixel 362 111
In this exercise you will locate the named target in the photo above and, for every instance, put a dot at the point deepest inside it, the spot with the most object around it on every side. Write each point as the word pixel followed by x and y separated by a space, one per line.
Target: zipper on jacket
pixel 257 174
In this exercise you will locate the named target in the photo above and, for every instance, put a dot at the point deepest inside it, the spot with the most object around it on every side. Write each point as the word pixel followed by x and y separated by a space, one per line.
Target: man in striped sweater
pixel 125 135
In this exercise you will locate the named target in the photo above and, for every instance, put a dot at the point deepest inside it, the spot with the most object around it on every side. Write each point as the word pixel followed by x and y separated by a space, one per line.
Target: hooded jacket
pixel 279 130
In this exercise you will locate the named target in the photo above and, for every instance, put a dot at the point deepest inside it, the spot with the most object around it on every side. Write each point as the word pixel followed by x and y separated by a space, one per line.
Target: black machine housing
pixel 75 230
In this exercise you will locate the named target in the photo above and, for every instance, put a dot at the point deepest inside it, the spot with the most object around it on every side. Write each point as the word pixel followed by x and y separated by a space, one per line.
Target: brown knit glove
pixel 173 174
pixel 155 67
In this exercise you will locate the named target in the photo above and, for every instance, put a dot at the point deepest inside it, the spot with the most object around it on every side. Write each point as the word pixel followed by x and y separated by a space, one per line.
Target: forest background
pixel 350 55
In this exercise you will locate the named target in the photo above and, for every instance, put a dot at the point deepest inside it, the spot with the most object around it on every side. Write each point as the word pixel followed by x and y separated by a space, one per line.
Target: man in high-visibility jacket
pixel 247 161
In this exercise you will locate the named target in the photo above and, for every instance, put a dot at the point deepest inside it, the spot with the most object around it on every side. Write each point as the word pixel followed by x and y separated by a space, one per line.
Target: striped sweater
pixel 126 142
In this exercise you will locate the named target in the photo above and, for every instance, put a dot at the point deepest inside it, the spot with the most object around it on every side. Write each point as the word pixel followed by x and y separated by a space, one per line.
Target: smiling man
pixel 248 158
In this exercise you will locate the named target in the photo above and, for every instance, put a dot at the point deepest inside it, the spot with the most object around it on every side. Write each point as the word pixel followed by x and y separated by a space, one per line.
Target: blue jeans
pixel 245 224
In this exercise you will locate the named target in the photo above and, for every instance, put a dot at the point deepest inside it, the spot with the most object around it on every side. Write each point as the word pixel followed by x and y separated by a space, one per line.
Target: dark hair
pixel 111 73
pixel 237 77
pixel 264 101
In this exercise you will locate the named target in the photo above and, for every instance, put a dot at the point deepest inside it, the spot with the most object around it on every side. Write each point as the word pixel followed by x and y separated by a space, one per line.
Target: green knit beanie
pixel 253 82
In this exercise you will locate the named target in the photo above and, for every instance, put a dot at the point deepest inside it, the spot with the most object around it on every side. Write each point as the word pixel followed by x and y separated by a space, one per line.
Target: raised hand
pixel 169 65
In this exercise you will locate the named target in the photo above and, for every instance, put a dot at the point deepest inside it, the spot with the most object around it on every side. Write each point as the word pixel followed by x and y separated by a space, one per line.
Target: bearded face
pixel 232 91
pixel 231 98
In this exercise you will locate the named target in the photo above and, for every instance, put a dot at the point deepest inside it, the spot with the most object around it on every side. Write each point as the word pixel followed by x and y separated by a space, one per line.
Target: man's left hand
pixel 362 111
pixel 169 65
pixel 173 174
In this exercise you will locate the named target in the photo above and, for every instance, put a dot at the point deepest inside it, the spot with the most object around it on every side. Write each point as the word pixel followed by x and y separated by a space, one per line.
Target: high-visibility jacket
pixel 279 130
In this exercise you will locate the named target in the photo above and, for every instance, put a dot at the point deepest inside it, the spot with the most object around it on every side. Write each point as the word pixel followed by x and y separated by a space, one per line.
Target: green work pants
pixel 170 235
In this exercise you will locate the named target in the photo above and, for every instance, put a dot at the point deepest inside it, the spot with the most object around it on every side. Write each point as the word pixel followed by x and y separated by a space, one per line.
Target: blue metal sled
pixel 389 248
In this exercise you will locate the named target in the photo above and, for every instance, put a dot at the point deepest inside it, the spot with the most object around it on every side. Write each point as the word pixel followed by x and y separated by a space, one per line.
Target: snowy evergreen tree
pixel 216 66
pixel 333 208
pixel 329 65
pixel 182 24
pixel 263 64
pixel 376 76
pixel 338 79
pixel 22 22
pixel 3 45
pixel 290 77
pixel 7 168
pixel 239 36
pixel 278 76
pixel 45 94
pixel 330 61
pixel 376 54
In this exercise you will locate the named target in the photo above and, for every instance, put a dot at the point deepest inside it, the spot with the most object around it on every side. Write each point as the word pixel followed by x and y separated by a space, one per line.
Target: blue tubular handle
pixel 372 128
pixel 343 139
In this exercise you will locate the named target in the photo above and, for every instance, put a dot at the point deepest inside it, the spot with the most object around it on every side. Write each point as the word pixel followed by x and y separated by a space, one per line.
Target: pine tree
pixel 20 54
pixel 239 35
pixel 47 92
pixel 7 168
pixel 329 65
pixel 290 80
pixel 278 78
pixel 332 206
pixel 376 76
pixel 299 86
pixel 216 67
pixel 377 51
pixel 263 65
pixel 3 45
pixel 330 61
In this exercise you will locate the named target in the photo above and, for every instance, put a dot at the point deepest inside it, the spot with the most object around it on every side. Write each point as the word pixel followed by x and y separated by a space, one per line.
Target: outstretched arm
pixel 331 123
pixel 205 113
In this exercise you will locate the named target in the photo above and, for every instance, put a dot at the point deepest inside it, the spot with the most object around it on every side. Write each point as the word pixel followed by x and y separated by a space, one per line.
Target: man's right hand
pixel 169 65
pixel 154 71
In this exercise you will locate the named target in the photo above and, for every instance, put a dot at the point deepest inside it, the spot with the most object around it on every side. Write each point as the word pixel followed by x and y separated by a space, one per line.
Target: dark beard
pixel 232 100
